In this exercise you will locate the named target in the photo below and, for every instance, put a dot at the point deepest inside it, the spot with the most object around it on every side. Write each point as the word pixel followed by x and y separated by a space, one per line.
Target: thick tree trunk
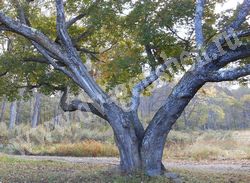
pixel 129 133
pixel 126 139
pixel 156 134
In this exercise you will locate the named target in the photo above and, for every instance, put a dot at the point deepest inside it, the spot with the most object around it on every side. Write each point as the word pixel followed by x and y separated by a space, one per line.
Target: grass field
pixel 182 146
pixel 193 145
pixel 99 142
pixel 19 170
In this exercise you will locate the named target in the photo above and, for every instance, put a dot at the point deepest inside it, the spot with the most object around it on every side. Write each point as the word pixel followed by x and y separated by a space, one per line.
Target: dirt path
pixel 212 166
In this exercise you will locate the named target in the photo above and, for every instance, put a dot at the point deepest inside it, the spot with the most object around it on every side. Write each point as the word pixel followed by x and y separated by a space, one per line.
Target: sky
pixel 228 5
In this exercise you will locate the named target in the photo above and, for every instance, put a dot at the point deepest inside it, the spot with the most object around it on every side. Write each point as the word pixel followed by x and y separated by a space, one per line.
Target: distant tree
pixel 119 42
pixel 36 110
pixel 13 113
pixel 3 109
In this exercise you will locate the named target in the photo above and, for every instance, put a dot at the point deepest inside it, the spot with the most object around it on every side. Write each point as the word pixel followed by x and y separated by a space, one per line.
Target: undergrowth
pixel 76 140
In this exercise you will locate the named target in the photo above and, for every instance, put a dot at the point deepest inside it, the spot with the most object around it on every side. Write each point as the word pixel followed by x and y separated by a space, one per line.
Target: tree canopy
pixel 115 38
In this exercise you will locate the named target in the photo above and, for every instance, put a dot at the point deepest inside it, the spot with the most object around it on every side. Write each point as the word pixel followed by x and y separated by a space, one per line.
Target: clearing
pixel 75 169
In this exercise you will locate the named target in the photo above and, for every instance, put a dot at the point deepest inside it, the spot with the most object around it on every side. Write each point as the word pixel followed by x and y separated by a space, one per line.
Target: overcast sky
pixel 228 5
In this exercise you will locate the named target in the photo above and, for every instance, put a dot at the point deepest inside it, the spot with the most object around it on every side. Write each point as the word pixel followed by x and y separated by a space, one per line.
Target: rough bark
pixel 125 136
pixel 156 133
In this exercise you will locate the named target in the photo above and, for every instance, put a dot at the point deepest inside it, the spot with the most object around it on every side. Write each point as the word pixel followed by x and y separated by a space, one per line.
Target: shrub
pixel 88 148
pixel 201 152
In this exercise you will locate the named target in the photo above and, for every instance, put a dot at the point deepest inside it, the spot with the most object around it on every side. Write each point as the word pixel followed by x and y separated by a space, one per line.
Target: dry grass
pixel 181 145
pixel 75 140
pixel 211 145
pixel 88 148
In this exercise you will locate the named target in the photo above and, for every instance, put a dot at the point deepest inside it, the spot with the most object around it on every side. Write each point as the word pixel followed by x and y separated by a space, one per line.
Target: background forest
pixel 215 107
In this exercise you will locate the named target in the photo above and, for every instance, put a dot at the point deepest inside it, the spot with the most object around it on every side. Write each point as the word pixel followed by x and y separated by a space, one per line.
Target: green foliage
pixel 118 30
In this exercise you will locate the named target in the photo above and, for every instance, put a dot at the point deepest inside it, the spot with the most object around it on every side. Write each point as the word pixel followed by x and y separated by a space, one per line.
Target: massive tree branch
pixel 244 33
pixel 79 105
pixel 75 64
pixel 66 53
pixel 241 16
pixel 52 62
pixel 4 28
pixel 234 55
pixel 61 25
pixel 212 49
pixel 48 58
pixel 198 23
pixel 31 34
pixel 229 74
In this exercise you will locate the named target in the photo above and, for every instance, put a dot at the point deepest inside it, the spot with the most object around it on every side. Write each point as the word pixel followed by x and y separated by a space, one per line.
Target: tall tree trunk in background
pixel 3 109
pixel 56 116
pixel 13 113
pixel 18 112
pixel 19 107
pixel 31 108
pixel 36 110
pixel 185 119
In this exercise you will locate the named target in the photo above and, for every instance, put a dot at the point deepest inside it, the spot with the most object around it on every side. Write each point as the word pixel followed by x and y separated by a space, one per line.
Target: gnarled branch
pixel 231 29
pixel 241 16
pixel 244 33
pixel 79 105
pixel 31 34
pixel 61 25
pixel 229 74
pixel 48 58
pixel 233 55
